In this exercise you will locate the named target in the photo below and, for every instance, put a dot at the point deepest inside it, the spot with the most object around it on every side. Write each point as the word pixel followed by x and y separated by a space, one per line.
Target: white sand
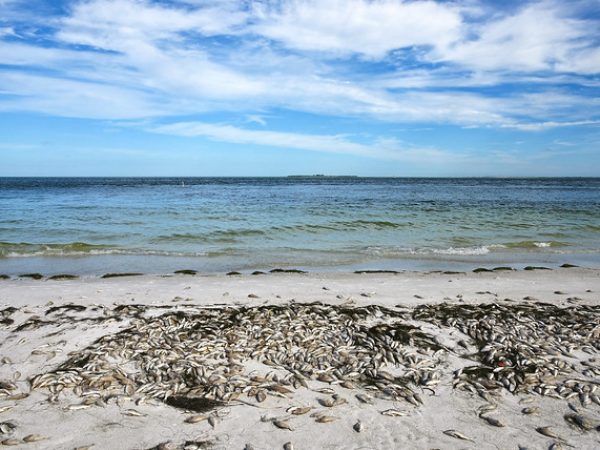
pixel 108 428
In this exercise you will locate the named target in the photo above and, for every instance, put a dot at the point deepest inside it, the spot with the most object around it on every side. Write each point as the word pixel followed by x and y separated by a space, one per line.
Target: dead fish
pixel 546 431
pixel 212 420
pixel 325 391
pixel 11 442
pixel 392 412
pixel 34 438
pixel 327 402
pixel 492 421
pixel 7 427
pixel 5 408
pixel 364 398
pixel 487 408
pixel 580 421
pixel 133 413
pixel 326 419
pixel 261 396
pixel 283 424
pixel 84 447
pixel 457 435
pixel 196 419
pixel 358 426
pixel 288 446
pixel 76 407
pixel 531 410
pixel 299 410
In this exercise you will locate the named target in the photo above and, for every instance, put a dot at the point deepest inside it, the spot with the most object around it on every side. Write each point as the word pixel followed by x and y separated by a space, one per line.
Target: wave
pixel 398 252
pixel 475 250
pixel 24 250
pixel 8 249
pixel 212 236
pixel 534 244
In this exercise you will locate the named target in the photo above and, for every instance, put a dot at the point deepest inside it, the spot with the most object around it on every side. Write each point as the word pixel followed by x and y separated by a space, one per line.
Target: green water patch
pixel 535 244
pixel 8 249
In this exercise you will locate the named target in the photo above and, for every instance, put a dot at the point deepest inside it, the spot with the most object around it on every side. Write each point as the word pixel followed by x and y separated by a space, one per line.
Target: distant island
pixel 322 176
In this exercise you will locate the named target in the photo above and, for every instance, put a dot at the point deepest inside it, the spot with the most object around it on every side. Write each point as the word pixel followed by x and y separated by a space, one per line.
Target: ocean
pixel 157 225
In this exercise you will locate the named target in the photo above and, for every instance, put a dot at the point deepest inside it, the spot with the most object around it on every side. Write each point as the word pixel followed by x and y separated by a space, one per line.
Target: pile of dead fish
pixel 221 354
pixel 525 348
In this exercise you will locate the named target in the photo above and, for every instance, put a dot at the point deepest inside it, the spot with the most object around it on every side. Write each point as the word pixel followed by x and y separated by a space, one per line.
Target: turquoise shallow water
pixel 160 224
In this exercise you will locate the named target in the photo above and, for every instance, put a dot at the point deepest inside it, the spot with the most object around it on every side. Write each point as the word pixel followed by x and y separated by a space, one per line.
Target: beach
pixel 407 374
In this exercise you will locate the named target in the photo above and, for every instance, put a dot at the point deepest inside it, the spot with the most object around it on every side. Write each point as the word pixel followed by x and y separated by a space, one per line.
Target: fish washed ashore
pixel 302 361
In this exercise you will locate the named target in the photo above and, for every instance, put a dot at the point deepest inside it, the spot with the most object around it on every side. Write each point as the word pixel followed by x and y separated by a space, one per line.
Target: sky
pixel 287 87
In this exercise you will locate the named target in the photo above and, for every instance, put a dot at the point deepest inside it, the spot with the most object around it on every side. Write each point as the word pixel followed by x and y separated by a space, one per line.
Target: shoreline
pixel 56 268
pixel 56 322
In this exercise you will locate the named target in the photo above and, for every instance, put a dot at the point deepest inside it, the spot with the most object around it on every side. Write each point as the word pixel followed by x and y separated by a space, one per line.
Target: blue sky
pixel 375 88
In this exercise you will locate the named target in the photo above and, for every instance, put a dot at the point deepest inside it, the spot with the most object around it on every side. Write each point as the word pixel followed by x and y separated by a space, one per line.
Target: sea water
pixel 157 225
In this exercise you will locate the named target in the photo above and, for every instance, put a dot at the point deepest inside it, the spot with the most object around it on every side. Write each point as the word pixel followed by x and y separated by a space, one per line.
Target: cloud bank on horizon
pixel 470 87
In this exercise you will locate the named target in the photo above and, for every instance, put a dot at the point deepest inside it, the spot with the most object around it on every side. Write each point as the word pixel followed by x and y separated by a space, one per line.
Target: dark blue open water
pixel 94 225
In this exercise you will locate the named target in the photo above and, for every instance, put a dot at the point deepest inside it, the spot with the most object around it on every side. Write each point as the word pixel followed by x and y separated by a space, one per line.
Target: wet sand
pixel 55 321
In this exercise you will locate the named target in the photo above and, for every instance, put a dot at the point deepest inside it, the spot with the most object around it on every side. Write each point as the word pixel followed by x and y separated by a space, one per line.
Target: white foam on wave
pixel 542 244
pixel 114 251
pixel 398 251
pixel 483 250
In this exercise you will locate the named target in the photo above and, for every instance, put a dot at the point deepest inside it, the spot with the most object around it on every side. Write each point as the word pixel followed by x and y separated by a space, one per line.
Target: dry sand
pixel 31 352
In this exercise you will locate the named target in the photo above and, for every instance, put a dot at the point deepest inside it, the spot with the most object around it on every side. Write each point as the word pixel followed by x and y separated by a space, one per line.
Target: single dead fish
pixel 34 438
pixel 288 446
pixel 457 435
pixel 580 421
pixel 133 413
pixel 76 407
pixel 392 412
pixel 283 424
pixel 299 410
pixel 531 410
pixel 546 431
pixel 212 420
pixel 326 419
pixel 196 419
pixel 364 398
pixel 11 442
pixel 327 402
pixel 358 426
pixel 492 421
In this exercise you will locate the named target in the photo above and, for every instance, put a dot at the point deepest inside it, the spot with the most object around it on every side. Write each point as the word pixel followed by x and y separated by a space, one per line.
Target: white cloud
pixel 136 59
pixel 540 36
pixel 382 148
pixel 541 126
pixel 370 28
